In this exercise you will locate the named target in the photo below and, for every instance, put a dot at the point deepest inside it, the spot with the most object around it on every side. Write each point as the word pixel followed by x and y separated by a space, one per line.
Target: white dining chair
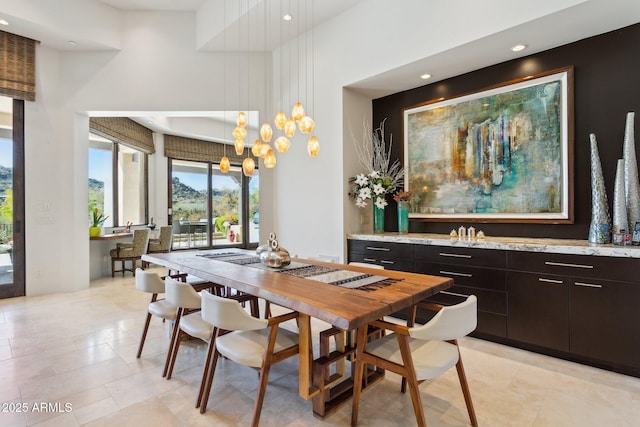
pixel 419 353
pixel 153 284
pixel 246 340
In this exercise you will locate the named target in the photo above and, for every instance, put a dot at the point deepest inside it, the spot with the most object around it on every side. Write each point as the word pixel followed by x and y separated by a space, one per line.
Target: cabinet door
pixel 538 309
pixel 605 321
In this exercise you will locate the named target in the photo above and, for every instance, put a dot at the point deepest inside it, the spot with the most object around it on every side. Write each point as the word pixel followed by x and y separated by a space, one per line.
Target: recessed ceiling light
pixel 425 76
pixel 72 42
pixel 3 22
pixel 519 47
pixel 287 17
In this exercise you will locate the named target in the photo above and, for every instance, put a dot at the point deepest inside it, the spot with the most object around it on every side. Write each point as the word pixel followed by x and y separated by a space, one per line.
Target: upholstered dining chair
pixel 185 297
pixel 249 341
pixel 153 284
pixel 184 294
pixel 419 353
pixel 130 251
pixel 161 244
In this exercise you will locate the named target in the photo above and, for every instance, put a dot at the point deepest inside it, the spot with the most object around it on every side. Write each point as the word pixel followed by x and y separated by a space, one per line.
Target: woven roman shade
pixel 197 150
pixel 17 67
pixel 124 131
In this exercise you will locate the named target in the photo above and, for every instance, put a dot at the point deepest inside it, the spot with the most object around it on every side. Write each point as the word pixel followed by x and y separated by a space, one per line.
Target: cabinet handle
pixel 386 262
pixel 542 279
pixel 455 294
pixel 374 248
pixel 587 285
pixel 453 273
pixel 454 255
pixel 370 260
pixel 562 264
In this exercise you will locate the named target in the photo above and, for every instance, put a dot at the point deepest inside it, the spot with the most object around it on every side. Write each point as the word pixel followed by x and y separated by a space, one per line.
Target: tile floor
pixel 69 360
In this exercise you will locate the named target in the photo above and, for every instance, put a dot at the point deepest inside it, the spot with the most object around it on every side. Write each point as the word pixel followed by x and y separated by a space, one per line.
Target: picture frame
pixel 499 154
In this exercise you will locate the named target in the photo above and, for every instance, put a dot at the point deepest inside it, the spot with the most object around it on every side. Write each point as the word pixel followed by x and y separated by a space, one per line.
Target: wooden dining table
pixel 343 307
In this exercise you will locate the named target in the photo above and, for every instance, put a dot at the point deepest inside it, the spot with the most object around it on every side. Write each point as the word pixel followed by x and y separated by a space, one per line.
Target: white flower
pixel 374 174
pixel 378 189
pixel 364 193
pixel 361 203
pixel 362 180
pixel 381 203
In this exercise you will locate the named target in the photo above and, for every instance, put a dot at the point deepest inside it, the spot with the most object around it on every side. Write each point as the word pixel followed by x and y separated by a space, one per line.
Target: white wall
pixel 159 69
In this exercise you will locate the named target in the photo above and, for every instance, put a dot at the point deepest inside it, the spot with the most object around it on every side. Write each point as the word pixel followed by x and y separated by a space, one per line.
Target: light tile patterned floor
pixel 75 353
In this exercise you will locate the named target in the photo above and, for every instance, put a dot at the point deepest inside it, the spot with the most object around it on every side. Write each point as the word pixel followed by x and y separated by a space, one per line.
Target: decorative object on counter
pixel 600 228
pixel 97 219
pixel 380 178
pixel 462 233
pixel 480 235
pixel 622 238
pixel 631 183
pixel 151 225
pixel 404 199
pixel 471 233
pixel 272 254
pixel 635 238
pixel 619 209
pixel 453 235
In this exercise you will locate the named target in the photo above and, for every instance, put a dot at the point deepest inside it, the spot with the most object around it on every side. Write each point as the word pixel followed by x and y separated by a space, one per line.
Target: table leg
pixel 305 358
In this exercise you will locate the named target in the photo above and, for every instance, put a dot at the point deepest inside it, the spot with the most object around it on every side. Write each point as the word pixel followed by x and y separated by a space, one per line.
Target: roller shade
pixel 17 67
pixel 125 131
pixel 197 150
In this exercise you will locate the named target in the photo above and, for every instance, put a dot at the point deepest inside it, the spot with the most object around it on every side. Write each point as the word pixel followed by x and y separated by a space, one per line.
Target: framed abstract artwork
pixel 501 154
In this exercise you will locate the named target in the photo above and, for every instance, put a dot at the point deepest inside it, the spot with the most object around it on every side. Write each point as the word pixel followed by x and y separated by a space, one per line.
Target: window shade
pixel 181 148
pixel 125 131
pixel 17 67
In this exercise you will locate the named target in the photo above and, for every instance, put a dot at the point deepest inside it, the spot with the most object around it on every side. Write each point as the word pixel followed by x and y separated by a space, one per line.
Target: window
pixel 219 220
pixel 119 189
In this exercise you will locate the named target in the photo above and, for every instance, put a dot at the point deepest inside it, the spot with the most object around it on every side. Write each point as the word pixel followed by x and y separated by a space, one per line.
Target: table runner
pixel 332 276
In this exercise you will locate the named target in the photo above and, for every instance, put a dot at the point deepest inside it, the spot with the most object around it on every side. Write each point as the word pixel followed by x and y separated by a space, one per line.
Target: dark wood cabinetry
pixel 474 271
pixel 581 307
pixel 392 256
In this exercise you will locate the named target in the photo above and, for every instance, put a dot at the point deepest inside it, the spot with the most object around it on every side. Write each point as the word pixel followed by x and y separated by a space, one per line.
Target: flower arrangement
pixel 381 178
pixel 403 196
pixel 98 218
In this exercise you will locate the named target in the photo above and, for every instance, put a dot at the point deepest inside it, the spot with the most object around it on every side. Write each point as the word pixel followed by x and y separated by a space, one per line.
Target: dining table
pixel 347 297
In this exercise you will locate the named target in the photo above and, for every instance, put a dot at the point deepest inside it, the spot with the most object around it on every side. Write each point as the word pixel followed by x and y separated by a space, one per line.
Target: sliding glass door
pixel 219 220
pixel 11 198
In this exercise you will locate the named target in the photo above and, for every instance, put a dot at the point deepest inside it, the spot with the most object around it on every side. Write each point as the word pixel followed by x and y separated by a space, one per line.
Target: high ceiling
pixel 54 24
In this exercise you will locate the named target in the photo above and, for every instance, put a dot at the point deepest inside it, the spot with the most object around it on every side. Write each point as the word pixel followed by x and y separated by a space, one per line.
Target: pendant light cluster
pixel 287 125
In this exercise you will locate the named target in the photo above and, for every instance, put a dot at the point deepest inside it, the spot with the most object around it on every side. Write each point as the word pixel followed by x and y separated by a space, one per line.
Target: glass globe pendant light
pixel 290 128
pixel 239 133
pixel 313 146
pixel 224 164
pixel 248 165
pixel 280 120
pixel 306 124
pixel 266 133
pixel 239 145
pixel 264 149
pixel 270 159
pixel 255 149
pixel 297 112
pixel 282 144
pixel 241 119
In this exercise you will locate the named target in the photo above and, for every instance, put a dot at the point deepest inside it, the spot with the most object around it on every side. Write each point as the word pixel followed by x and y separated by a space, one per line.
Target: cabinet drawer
pixel 389 264
pixel 476 277
pixel 459 255
pixel 609 268
pixel 381 249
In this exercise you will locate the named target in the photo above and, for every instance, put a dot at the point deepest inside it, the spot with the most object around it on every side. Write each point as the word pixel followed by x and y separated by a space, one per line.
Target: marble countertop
pixel 560 246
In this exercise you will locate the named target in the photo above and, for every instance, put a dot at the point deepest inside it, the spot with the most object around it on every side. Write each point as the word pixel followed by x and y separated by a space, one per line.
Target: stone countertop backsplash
pixel 560 246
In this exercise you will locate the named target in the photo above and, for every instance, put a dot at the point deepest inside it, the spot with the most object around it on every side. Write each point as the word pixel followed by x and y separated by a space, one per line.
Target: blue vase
pixel 378 220
pixel 403 217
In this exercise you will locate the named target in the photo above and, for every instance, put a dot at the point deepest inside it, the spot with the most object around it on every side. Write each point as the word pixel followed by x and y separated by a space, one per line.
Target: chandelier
pixel 286 126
